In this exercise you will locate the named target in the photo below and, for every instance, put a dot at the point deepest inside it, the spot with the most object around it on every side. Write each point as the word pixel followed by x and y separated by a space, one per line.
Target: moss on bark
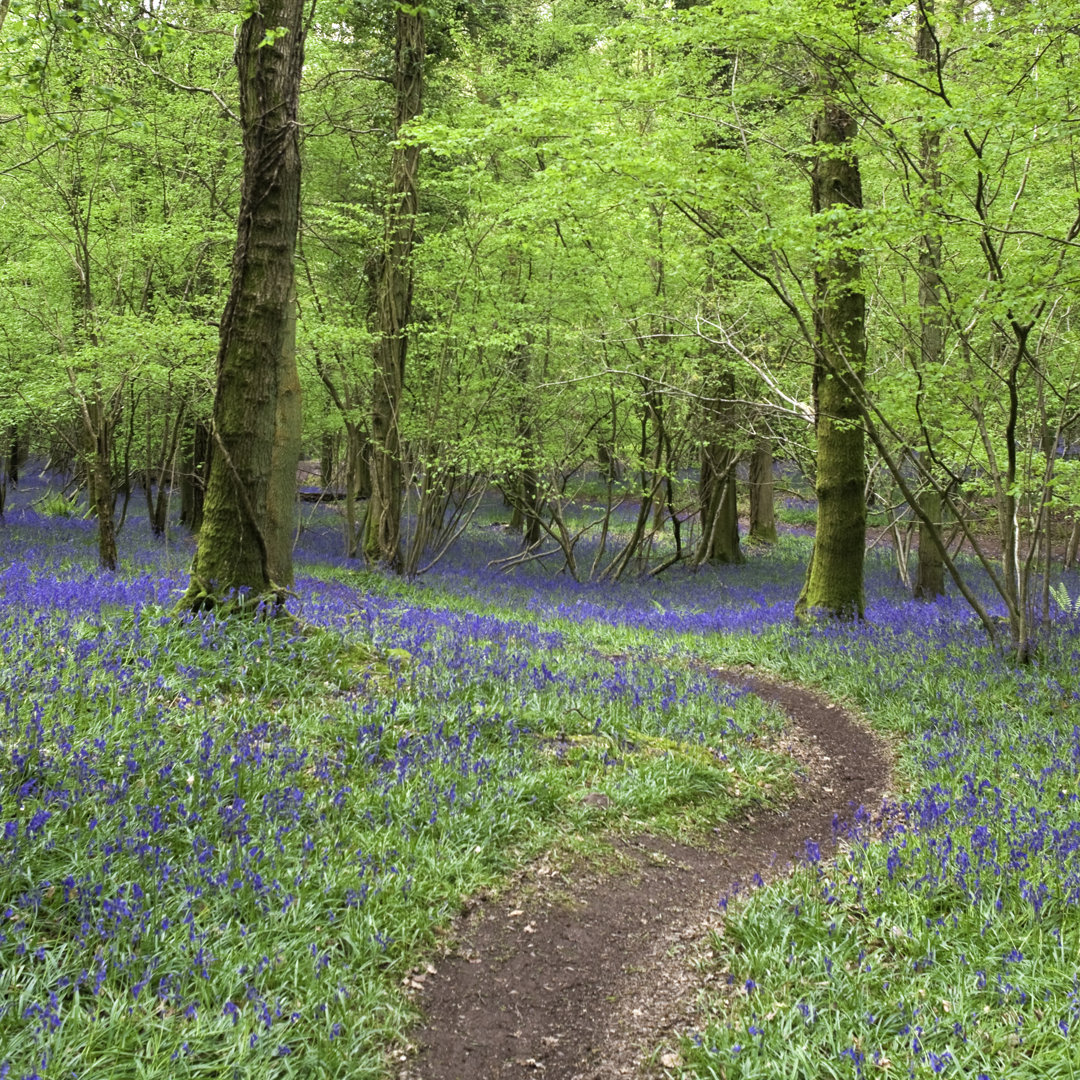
pixel 245 542
pixel 834 580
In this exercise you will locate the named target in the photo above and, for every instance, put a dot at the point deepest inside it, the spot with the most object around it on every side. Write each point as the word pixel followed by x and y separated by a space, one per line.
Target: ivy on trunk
pixel 245 542
pixel 393 301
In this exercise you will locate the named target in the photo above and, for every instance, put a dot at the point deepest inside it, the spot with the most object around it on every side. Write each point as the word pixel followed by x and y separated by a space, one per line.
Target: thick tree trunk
pixel 393 303
pixel 834 580
pixel 246 538
pixel 762 515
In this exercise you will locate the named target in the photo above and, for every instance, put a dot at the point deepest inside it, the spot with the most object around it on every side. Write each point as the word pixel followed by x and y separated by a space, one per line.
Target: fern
pixel 1069 605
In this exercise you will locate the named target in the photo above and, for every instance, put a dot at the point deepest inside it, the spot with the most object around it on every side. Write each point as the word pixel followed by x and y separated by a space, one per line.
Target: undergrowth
pixel 224 844
pixel 944 938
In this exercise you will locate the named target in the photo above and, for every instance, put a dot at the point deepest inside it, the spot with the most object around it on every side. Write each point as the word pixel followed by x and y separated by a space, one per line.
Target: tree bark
pixel 99 421
pixel 246 538
pixel 525 482
pixel 834 580
pixel 327 461
pixel 717 495
pixel 194 469
pixel 102 487
pixel 930 573
pixel 14 457
pixel 393 302
pixel 930 576
pixel 762 516
pixel 357 482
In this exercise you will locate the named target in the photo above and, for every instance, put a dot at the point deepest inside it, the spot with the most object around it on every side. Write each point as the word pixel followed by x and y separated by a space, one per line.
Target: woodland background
pixel 577 251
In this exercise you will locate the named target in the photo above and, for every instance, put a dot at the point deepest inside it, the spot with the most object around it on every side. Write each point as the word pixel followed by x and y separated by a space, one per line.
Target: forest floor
pixel 227 849
pixel 580 973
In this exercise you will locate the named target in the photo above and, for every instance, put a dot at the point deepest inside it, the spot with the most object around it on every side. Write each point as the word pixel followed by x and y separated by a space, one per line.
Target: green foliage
pixel 57 504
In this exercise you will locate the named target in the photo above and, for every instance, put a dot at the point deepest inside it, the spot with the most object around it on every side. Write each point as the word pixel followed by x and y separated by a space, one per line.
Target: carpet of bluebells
pixel 225 844
pixel 945 937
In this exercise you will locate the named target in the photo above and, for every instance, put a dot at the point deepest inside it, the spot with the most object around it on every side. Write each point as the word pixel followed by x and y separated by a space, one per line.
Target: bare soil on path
pixel 581 976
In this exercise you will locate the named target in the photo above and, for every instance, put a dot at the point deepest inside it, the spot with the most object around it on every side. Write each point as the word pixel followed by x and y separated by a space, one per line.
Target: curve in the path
pixel 582 979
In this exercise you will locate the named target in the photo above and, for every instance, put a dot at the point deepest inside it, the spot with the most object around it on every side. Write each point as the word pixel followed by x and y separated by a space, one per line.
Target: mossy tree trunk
pixel 393 302
pixel 762 511
pixel 834 580
pixel 245 542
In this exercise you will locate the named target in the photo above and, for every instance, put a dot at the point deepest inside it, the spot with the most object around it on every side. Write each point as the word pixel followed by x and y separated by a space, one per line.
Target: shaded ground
pixel 581 977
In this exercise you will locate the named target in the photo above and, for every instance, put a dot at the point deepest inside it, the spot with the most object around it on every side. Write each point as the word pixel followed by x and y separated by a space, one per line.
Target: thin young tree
pixel 930 576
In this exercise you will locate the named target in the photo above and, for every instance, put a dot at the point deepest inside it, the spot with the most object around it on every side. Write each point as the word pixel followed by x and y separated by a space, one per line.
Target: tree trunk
pixel 717 493
pixel 393 302
pixel 719 508
pixel 762 517
pixel 194 469
pixel 834 580
pixel 357 483
pixel 529 491
pixel 101 482
pixel 14 459
pixel 246 538
pixel 525 482
pixel 326 461
pixel 930 576
pixel 9 467
pixel 166 471
pixel 1073 546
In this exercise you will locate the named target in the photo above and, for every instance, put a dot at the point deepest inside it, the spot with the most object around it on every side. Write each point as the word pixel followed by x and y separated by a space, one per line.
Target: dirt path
pixel 580 979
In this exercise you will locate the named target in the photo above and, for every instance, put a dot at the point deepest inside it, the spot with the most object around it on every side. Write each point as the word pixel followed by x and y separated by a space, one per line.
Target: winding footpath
pixel 582 978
